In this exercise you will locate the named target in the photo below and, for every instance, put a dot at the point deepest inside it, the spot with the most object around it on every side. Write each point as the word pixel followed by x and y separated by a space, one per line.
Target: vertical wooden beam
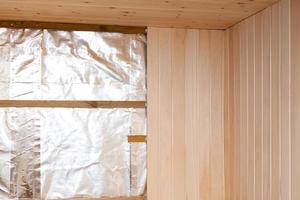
pixel 258 108
pixel 236 101
pixel 153 180
pixel 178 121
pixel 285 99
pixel 251 108
pixel 275 117
pixel 295 95
pixel 216 68
pixel 243 110
pixel 266 104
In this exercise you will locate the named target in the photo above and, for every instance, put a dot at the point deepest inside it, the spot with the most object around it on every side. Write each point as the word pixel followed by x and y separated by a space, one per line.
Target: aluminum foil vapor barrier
pixel 63 153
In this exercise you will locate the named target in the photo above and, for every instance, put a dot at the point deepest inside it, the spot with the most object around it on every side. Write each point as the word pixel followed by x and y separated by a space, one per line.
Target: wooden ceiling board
pixel 205 14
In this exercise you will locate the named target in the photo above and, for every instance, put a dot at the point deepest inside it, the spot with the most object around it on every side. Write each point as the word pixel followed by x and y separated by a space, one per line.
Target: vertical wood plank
pixel 285 94
pixel 178 121
pixel 204 115
pixel 229 116
pixel 251 108
pixel 243 110
pixel 193 170
pixel 266 90
pixel 153 113
pixel 295 125
pixel 165 112
pixel 216 66
pixel 258 107
pixel 236 69
pixel 275 59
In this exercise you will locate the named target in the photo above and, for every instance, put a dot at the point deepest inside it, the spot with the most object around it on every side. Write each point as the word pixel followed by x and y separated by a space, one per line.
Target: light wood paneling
pixel 217 14
pixel 295 102
pixel 185 114
pixel 275 109
pixel 261 98
pixel 250 107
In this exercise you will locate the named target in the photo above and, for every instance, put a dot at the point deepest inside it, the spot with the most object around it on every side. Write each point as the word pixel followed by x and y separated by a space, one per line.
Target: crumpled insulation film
pixel 58 153
pixel 71 65
pixel 63 153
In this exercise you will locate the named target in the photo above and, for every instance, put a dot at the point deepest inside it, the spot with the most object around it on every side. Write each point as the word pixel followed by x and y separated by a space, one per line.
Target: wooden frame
pixel 72 104
pixel 73 27
pixel 137 138
pixel 110 198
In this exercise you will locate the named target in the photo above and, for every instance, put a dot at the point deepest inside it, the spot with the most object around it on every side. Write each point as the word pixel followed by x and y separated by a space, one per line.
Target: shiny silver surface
pixel 25 154
pixel 71 65
pixel 69 153
pixel 138 167
pixel 55 153
pixel 5 156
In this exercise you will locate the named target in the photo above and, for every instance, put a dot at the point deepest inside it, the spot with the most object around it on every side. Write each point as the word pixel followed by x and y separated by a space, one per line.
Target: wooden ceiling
pixel 205 14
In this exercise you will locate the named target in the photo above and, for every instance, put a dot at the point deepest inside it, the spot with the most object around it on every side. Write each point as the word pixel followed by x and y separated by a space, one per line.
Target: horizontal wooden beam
pixel 71 104
pixel 137 138
pixel 108 198
pixel 73 27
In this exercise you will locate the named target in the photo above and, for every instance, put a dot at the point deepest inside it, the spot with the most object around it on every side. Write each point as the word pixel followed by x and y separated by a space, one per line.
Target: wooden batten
pixel 110 198
pixel 137 138
pixel 72 104
pixel 73 27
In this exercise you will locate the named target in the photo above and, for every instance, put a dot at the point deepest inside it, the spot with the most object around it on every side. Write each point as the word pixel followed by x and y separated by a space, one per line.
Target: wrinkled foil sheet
pixel 58 153
pixel 71 65
pixel 25 157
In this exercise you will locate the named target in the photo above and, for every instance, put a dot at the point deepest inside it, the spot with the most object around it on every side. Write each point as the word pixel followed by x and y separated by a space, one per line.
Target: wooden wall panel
pixel 228 117
pixel 251 106
pixel 262 111
pixel 275 109
pixel 295 103
pixel 186 114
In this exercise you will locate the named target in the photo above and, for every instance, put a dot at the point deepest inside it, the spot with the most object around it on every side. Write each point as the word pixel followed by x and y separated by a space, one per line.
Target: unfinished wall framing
pixel 73 114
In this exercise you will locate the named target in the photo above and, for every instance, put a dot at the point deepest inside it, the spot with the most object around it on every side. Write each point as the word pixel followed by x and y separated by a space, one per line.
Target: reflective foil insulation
pixel 63 153
pixel 71 65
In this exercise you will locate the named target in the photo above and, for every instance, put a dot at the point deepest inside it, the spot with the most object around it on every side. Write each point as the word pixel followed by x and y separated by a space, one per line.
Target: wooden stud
pixel 73 27
pixel 72 104
pixel 110 198
pixel 137 138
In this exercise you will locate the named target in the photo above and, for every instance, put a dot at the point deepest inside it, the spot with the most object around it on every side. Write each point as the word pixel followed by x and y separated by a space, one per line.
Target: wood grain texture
pixel 110 198
pixel 185 114
pixel 73 27
pixel 218 14
pixel 262 111
pixel 71 104
pixel 137 138
pixel 228 116
pixel 295 94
